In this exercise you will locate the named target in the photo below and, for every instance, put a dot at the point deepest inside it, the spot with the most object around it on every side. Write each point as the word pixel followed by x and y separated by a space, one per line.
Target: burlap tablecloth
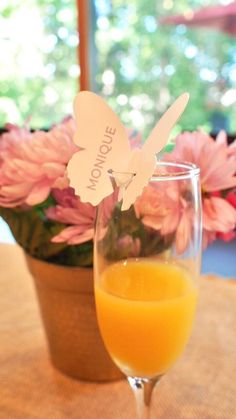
pixel 201 385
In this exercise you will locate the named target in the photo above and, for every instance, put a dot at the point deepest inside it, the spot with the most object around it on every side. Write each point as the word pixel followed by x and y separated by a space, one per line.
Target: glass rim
pixel 186 170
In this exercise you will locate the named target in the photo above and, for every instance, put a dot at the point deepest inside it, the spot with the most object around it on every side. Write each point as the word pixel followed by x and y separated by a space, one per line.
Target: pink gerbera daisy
pixel 217 163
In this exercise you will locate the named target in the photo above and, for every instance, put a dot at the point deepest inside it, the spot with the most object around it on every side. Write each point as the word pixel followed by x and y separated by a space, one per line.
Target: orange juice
pixel 145 312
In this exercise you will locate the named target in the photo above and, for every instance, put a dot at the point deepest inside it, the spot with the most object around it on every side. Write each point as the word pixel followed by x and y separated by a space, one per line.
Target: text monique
pixel 104 149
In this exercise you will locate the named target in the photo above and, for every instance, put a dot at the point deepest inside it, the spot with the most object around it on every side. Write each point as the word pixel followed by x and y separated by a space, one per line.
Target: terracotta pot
pixel 67 306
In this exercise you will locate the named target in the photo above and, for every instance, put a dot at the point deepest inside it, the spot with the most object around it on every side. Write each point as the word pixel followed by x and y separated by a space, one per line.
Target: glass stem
pixel 143 390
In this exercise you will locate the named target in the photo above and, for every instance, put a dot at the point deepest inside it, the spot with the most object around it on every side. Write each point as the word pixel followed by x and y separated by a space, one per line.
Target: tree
pixel 140 65
pixel 151 64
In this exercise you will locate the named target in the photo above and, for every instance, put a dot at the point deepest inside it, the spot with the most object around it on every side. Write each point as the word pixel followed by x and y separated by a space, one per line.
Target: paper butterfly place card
pixel 104 148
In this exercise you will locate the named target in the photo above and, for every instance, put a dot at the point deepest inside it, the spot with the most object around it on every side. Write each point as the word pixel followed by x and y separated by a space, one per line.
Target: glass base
pixel 143 390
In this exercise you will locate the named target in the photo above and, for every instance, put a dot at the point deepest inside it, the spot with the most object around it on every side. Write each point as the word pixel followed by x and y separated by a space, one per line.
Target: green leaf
pixel 33 232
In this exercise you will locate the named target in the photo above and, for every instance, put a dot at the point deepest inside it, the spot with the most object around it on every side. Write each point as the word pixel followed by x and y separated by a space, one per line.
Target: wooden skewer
pixel 83 50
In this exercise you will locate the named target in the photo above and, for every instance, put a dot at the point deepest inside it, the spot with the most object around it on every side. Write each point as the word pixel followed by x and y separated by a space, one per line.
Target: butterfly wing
pixel 102 138
pixel 143 163
pixel 158 138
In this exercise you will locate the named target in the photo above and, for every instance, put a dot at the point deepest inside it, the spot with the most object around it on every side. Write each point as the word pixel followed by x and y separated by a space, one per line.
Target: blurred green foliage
pixel 139 65
pixel 38 65
pixel 153 63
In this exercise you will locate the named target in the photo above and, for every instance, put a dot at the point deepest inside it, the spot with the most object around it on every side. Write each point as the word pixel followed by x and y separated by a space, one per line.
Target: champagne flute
pixel 146 263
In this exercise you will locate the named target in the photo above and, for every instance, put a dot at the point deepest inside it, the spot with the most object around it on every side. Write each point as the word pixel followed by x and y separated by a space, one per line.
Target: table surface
pixel 201 384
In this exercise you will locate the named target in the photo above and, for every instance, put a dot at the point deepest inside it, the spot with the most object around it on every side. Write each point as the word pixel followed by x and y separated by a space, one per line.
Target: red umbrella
pixel 220 17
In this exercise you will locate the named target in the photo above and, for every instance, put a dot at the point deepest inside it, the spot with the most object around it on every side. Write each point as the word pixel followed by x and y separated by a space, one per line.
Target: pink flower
pixel 216 166
pixel 217 172
pixel 79 216
pixel 231 198
pixel 162 208
pixel 208 237
pixel 227 237
pixel 74 235
pixel 157 208
pixel 184 229
pixel 33 163
pixel 232 149
pixel 133 245
pixel 218 215
pixel 222 139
